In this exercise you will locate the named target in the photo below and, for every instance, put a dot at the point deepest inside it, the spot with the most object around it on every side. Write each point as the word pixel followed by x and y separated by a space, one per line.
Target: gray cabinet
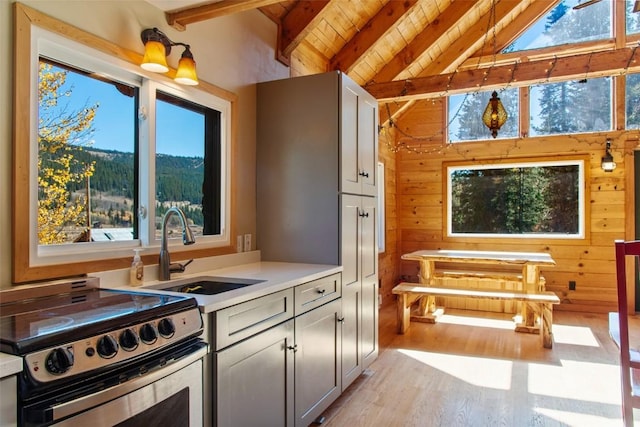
pixel 254 380
pixel 360 285
pixel 317 360
pixel 358 133
pixel 277 358
pixel 317 183
pixel 9 405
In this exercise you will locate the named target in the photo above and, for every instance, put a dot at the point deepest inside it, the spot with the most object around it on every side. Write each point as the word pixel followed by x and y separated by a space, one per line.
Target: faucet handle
pixel 176 267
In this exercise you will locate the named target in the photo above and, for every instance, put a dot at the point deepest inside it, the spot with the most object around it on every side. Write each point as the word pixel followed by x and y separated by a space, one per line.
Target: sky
pixel 180 132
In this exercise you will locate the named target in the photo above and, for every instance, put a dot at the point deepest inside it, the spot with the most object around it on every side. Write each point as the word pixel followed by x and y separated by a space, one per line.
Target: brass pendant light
pixel 494 115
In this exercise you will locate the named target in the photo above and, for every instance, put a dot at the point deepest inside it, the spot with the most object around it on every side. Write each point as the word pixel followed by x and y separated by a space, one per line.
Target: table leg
pixel 427 311
pixel 404 313
pixel 546 322
pixel 529 312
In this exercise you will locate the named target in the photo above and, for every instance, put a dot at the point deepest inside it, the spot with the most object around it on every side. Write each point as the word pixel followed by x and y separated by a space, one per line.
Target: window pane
pixel 86 140
pixel 564 25
pixel 571 107
pixel 465 116
pixel 632 18
pixel 180 162
pixel 632 100
pixel 515 199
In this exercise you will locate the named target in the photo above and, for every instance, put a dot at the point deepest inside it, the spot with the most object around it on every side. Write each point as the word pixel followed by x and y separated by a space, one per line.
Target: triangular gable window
pixel 565 25
pixel 633 18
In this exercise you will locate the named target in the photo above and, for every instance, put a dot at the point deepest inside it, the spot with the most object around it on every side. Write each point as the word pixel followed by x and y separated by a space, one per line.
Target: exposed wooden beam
pixel 423 41
pixel 372 31
pixel 538 54
pixel 296 24
pixel 586 65
pixel 181 18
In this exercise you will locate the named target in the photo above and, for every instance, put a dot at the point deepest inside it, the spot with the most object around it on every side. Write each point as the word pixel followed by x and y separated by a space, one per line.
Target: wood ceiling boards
pixel 418 44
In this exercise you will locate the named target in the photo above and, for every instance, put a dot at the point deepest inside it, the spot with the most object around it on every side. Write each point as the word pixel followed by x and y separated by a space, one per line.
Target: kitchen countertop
pixel 276 275
pixel 9 365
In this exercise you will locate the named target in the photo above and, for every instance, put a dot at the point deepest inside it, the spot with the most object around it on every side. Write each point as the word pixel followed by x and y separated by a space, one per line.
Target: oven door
pixel 171 395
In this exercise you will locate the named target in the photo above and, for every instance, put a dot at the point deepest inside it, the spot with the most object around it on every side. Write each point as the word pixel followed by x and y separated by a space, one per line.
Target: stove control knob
pixel 59 361
pixel 148 333
pixel 166 327
pixel 128 340
pixel 107 346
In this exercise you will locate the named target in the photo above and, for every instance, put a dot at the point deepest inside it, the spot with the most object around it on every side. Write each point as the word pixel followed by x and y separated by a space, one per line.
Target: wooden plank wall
pixel 419 196
pixel 389 260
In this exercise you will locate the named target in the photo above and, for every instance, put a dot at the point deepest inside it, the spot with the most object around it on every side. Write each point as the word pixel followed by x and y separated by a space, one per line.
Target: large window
pixel 541 199
pixel 106 149
pixel 88 145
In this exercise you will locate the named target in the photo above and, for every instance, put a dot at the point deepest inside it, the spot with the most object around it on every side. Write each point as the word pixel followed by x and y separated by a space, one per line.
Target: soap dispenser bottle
pixel 136 273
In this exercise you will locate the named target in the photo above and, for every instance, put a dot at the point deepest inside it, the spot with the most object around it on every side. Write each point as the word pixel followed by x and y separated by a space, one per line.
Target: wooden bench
pixel 541 303
pixel 489 275
pixel 495 280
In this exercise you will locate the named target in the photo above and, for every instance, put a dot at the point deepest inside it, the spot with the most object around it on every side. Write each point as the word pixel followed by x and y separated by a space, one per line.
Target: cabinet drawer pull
pixel 341 319
pixel 364 214
pixel 293 347
pixel 364 174
pixel 321 291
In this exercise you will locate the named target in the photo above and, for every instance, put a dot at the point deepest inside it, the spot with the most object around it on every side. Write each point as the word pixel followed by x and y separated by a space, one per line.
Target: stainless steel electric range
pixel 104 357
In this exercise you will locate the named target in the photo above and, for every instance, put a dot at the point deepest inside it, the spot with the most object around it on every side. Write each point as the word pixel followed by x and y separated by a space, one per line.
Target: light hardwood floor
pixel 472 369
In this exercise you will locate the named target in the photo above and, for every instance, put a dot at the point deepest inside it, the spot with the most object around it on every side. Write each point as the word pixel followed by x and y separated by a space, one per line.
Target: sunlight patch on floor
pixel 574 419
pixel 477 321
pixel 478 371
pixel 568 381
pixel 575 335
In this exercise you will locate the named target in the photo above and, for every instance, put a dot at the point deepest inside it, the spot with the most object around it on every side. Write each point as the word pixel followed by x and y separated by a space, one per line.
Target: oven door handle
pixel 82 404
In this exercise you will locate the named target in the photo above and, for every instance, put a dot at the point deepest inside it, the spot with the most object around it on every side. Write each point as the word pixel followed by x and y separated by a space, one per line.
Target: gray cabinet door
pixel 254 383
pixel 369 337
pixel 318 373
pixel 359 139
pixel 351 345
pixel 369 279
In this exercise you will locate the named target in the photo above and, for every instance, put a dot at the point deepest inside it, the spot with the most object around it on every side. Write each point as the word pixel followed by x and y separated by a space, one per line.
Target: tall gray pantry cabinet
pixel 317 150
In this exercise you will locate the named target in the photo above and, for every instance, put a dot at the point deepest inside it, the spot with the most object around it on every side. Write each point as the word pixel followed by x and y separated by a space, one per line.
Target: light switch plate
pixel 239 243
pixel 247 242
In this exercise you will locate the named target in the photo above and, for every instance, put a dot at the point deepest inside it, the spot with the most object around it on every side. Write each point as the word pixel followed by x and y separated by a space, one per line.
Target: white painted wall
pixel 233 52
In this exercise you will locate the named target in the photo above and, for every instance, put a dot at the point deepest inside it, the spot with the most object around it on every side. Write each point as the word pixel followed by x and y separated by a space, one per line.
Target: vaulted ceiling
pixel 402 50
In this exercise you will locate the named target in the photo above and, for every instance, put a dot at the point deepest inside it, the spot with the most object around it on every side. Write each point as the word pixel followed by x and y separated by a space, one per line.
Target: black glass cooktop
pixel 41 322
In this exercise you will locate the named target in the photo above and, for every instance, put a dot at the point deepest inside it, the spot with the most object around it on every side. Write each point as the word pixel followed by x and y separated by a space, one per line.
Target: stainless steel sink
pixel 208 285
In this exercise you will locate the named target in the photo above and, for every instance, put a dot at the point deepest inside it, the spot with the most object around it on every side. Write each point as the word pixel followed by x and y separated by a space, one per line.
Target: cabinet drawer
pixel 317 292
pixel 240 321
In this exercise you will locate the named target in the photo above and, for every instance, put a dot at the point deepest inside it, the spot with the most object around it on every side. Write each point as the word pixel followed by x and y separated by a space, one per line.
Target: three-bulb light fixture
pixel 157 46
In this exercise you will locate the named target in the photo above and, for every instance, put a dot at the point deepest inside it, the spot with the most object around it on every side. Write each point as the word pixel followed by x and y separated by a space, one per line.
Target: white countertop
pixel 9 365
pixel 276 276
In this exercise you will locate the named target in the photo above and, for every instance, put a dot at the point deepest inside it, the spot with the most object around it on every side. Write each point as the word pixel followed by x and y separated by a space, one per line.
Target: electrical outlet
pixel 572 285
pixel 239 243
pixel 247 242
